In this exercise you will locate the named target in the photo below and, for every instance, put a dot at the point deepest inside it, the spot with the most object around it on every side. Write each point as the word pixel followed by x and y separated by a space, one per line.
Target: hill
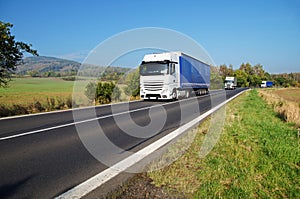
pixel 52 66
pixel 42 64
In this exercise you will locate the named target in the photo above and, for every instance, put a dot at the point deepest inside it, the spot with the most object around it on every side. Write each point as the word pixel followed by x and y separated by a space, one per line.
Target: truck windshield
pixel 228 81
pixel 154 69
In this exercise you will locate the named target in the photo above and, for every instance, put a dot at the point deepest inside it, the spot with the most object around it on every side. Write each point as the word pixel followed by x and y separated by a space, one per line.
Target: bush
pixel 4 111
pixel 60 104
pixel 72 78
pixel 104 92
pixel 69 102
pixel 36 107
pixel 19 110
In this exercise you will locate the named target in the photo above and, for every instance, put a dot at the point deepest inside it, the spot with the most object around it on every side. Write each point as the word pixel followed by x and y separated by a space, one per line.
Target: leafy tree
pixel 241 78
pixel 33 73
pixel 116 95
pixel 103 92
pixel 216 81
pixel 11 53
pixel 106 92
pixel 247 68
pixel 133 83
pixel 257 81
pixel 90 91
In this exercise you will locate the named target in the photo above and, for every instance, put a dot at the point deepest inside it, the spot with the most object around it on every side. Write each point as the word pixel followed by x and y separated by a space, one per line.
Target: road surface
pixel 42 155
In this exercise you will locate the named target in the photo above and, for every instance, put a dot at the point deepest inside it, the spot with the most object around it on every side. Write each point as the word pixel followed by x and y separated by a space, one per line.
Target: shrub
pixel 4 111
pixel 19 110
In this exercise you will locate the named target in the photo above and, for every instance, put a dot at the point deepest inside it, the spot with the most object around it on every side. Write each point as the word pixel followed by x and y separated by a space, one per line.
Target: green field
pixel 26 90
pixel 33 95
pixel 257 156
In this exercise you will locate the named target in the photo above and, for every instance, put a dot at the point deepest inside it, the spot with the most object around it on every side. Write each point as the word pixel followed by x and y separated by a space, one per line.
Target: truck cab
pixel 159 76
pixel 230 83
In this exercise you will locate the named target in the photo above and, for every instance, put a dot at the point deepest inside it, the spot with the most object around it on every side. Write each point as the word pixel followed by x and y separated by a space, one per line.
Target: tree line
pixel 252 76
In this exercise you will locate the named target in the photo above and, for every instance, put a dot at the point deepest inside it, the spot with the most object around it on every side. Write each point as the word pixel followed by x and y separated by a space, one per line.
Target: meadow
pixel 33 95
pixel 257 156
pixel 27 90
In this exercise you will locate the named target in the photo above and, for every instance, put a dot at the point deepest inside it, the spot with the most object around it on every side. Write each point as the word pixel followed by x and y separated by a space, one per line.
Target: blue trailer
pixel 171 75
pixel 194 74
pixel 269 84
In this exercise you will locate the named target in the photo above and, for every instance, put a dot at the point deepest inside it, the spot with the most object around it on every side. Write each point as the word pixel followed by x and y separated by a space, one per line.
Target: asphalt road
pixel 44 155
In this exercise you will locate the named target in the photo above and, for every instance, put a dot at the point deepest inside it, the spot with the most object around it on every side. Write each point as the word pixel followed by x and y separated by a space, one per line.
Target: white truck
pixel 266 84
pixel 230 83
pixel 171 75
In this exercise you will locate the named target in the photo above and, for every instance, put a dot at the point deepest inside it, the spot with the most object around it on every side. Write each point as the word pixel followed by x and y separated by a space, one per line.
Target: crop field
pixel 290 94
pixel 286 102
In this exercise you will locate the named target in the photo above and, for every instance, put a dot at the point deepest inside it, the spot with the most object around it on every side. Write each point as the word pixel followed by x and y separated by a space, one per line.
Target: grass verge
pixel 257 156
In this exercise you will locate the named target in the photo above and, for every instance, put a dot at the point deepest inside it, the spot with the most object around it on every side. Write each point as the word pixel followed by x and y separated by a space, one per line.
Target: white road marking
pixel 81 108
pixel 88 120
pixel 99 179
pixel 60 111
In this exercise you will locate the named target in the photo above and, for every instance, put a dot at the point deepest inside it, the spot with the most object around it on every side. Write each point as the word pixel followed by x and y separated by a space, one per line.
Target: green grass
pixel 257 156
pixel 27 90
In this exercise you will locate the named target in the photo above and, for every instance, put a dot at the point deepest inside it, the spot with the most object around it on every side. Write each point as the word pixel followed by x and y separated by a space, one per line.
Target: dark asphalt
pixel 46 164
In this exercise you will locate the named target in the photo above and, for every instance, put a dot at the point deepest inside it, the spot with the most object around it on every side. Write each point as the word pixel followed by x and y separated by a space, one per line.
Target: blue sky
pixel 231 31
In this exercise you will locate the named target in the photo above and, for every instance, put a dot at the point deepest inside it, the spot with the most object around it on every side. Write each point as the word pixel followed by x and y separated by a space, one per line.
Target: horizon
pixel 128 67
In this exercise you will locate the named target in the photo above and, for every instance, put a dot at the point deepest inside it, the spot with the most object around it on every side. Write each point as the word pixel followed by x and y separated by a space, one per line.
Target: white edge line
pixel 80 108
pixel 104 176
pixel 66 110
pixel 89 120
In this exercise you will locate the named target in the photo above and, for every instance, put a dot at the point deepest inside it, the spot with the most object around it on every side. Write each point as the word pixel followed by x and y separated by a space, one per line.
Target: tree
pixel 106 92
pixel 133 83
pixel 11 53
pixel 241 78
pixel 216 81
pixel 90 91
pixel 116 95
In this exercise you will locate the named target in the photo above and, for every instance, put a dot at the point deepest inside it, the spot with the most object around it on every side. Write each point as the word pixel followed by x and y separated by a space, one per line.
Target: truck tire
pixel 174 95
pixel 187 94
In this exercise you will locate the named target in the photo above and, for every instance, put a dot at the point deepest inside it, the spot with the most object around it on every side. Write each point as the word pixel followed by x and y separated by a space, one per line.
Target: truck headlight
pixel 164 90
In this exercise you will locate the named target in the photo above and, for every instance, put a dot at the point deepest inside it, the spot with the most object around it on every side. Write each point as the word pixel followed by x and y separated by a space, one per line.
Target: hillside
pixel 52 66
pixel 43 64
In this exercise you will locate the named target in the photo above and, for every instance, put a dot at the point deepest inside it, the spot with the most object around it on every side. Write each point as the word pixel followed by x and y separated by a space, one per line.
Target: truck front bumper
pixel 164 94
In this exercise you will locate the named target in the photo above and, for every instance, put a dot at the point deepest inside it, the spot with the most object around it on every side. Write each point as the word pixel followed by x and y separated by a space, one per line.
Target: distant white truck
pixel 230 83
pixel 266 84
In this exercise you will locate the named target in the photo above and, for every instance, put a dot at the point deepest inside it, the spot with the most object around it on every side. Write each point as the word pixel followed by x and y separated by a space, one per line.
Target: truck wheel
pixel 174 95
pixel 187 94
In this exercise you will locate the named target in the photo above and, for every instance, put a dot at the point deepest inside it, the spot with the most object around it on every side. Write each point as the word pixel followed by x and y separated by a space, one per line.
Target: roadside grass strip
pixel 257 156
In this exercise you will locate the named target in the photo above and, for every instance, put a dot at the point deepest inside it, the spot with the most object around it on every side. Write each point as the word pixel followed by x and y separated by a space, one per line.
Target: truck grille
pixel 153 85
